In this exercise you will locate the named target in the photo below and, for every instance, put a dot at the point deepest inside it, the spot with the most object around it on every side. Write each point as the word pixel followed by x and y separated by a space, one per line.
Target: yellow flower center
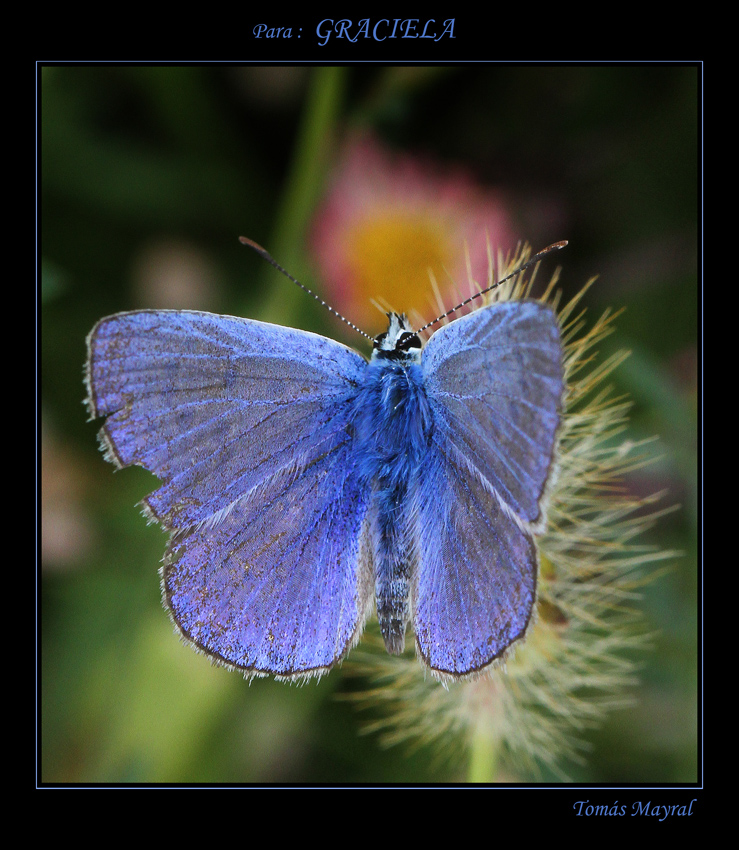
pixel 391 257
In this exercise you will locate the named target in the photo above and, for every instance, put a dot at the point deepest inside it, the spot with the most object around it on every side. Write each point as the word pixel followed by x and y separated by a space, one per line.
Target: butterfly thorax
pixel 392 417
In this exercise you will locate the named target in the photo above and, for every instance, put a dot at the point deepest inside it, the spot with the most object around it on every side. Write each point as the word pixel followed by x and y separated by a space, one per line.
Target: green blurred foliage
pixel 148 168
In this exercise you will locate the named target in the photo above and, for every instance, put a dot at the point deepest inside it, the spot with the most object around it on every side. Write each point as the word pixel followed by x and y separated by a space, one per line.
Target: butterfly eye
pixel 379 340
pixel 407 341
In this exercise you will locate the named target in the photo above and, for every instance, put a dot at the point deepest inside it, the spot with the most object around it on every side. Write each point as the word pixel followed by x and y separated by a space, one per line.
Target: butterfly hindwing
pixel 283 583
pixel 475 582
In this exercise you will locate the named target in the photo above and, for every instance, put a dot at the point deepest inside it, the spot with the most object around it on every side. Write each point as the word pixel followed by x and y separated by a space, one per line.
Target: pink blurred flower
pixel 387 219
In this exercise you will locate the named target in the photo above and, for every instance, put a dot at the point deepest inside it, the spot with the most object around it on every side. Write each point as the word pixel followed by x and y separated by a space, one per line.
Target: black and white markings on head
pixel 399 341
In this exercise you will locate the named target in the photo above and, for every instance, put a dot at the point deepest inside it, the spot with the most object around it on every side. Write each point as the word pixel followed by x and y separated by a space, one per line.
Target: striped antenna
pixel 265 254
pixel 535 259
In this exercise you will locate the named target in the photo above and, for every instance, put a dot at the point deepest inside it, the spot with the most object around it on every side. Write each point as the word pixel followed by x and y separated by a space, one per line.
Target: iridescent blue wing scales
pixel 495 383
pixel 475 582
pixel 246 424
pixel 495 380
pixel 283 583
pixel 213 405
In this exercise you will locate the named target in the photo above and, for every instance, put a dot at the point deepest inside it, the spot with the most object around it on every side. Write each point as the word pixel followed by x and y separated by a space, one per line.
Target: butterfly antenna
pixel 535 259
pixel 268 257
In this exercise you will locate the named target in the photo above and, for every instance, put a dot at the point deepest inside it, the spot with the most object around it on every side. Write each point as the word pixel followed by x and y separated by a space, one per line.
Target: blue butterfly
pixel 302 484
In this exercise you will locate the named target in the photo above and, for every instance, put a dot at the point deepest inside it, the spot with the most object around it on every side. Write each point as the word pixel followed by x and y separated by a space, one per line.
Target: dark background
pixel 144 168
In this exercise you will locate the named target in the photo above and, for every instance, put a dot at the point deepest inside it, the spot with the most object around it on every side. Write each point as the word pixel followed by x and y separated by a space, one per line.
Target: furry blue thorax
pixel 391 413
pixel 392 421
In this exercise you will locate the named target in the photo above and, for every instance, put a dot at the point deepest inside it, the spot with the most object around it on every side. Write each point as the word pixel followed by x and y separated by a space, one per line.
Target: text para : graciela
pixel 383 29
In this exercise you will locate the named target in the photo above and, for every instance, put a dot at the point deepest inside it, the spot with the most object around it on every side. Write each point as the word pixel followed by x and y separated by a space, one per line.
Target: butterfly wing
pixel 495 379
pixel 246 424
pixel 283 583
pixel 495 384
pixel 475 582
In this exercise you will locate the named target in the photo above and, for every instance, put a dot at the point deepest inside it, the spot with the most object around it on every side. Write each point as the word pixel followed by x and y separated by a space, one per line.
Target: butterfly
pixel 303 485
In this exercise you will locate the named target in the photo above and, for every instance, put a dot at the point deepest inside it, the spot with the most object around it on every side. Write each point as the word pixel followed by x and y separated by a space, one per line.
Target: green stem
pixel 303 186
pixel 484 752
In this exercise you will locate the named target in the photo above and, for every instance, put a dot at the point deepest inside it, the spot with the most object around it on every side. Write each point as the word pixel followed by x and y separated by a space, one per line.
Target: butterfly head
pixel 399 341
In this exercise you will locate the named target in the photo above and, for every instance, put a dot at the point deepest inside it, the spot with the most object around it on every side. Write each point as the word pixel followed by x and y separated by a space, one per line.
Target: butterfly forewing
pixel 495 381
pixel 213 405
